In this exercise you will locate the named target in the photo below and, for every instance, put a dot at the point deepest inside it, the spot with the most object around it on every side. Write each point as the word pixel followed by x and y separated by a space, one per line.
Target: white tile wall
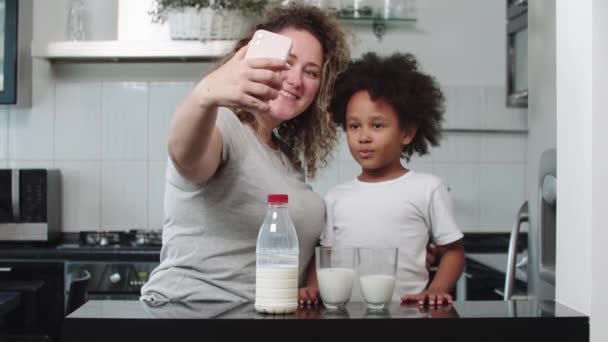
pixel 109 139
pixel 458 147
pixel 31 133
pixel 481 107
pixel 124 195
pixel 81 184
pixel 124 112
pixel 463 183
pixel 484 171
pixel 156 191
pixel 30 164
pixel 464 105
pixel 501 193
pixel 326 177
pixel 505 147
pixel 497 116
pixel 163 100
pixel 78 121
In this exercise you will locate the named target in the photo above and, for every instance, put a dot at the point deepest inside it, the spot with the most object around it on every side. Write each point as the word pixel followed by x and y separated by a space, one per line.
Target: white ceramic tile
pixel 503 147
pixel 156 192
pixel 124 134
pixel 458 147
pixel 30 130
pixel 326 178
pixel 78 121
pixel 449 116
pixel 464 107
pixel 429 157
pixel 342 148
pixel 347 170
pixel 31 164
pixel 418 165
pixel 502 191
pixel 163 100
pixel 3 164
pixel 496 114
pixel 463 182
pixel 3 133
pixel 81 186
pixel 124 195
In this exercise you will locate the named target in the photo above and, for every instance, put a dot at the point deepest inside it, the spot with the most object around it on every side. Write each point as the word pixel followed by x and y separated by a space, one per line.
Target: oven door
pixel 111 280
pixel 39 284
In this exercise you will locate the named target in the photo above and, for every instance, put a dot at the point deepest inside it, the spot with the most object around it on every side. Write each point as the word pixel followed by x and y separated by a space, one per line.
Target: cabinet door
pixel 41 288
pixel 8 72
pixel 15 52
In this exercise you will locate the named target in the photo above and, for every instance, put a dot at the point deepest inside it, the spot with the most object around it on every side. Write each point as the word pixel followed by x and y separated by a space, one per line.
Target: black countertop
pixel 222 321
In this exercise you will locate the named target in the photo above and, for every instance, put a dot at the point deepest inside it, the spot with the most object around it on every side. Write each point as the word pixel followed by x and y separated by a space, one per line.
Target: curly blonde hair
pixel 308 139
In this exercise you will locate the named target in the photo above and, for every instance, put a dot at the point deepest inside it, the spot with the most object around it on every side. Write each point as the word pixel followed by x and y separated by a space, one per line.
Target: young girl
pixel 389 111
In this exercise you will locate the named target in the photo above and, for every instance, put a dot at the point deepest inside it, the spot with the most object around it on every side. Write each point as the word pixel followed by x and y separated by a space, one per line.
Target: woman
pixel 249 128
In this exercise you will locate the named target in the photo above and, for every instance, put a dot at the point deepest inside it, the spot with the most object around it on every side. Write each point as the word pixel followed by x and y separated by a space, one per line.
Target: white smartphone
pixel 266 44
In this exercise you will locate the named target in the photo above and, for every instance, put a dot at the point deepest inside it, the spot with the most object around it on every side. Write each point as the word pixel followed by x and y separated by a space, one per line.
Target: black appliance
pixel 41 308
pixel 121 278
pixel 30 205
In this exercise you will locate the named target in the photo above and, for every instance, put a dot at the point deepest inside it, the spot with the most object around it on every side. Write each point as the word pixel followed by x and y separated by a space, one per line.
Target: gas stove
pixel 120 278
pixel 130 238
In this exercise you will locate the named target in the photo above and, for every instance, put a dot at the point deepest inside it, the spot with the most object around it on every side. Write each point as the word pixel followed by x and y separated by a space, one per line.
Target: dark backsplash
pixel 492 242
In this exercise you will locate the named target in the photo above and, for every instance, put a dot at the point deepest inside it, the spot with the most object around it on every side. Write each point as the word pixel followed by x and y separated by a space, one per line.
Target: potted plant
pixel 208 19
pixel 186 17
pixel 234 17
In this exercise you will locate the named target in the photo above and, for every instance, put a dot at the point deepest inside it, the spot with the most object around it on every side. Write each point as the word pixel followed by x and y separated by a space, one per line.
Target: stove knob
pixel 103 241
pixel 115 278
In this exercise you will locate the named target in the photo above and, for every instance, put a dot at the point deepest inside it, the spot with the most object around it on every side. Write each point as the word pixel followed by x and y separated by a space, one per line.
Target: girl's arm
pixel 451 265
pixel 450 268
pixel 309 295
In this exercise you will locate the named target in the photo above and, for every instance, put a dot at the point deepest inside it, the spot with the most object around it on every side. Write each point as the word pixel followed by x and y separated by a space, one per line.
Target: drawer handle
pixel 6 269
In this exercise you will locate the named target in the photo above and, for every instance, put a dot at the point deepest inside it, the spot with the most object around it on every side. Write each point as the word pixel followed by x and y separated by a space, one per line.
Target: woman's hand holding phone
pixel 248 83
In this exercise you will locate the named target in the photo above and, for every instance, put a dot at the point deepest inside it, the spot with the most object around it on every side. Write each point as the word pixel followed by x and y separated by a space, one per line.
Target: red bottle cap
pixel 277 198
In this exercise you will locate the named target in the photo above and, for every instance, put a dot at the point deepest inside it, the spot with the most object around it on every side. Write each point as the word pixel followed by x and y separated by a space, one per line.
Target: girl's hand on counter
pixel 308 296
pixel 430 296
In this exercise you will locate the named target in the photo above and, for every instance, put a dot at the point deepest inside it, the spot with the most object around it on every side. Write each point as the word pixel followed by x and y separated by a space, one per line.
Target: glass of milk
pixel 377 267
pixel 335 274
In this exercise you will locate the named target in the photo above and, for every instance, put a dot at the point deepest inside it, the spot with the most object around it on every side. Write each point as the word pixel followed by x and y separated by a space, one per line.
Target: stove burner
pixel 133 237
pixel 148 237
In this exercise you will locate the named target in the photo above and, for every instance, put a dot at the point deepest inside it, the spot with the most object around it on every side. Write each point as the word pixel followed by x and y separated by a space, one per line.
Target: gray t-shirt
pixel 210 230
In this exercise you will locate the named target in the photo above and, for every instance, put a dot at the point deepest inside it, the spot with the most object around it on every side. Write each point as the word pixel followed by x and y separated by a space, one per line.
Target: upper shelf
pixel 136 51
pixel 165 50
pixel 367 20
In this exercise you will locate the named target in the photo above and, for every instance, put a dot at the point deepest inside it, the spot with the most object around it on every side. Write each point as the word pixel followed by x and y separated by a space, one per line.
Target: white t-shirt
pixel 403 212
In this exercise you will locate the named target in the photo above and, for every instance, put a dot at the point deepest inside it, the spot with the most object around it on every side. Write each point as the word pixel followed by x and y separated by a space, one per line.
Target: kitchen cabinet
pixel 40 285
pixel 15 63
